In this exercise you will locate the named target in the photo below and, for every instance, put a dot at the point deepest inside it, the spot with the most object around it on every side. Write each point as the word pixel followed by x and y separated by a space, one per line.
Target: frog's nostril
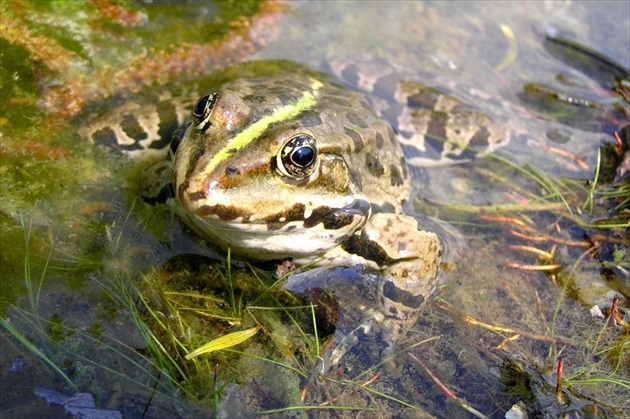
pixel 232 170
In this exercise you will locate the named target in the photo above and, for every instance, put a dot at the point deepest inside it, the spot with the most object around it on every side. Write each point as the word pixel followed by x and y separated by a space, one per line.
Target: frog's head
pixel 259 169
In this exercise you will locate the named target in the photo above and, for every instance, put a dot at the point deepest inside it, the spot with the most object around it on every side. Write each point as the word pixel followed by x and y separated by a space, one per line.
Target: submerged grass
pixel 176 329
pixel 580 229
pixel 33 293
pixel 75 347
pixel 50 354
pixel 279 320
pixel 601 371
pixel 38 353
pixel 35 323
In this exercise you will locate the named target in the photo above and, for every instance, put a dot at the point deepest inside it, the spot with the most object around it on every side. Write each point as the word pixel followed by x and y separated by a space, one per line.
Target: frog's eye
pixel 298 157
pixel 202 111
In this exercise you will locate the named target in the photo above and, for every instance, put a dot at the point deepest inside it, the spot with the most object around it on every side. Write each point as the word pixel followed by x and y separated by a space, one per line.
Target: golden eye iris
pixel 203 110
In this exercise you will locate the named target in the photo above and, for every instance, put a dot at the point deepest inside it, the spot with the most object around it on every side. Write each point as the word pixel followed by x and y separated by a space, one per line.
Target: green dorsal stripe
pixel 248 135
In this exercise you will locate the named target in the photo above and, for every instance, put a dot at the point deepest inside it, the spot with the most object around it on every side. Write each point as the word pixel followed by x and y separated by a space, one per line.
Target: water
pixel 70 217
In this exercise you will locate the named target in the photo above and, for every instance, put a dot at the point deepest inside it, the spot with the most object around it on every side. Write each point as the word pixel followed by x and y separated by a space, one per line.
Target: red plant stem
pixel 559 379
pixel 437 381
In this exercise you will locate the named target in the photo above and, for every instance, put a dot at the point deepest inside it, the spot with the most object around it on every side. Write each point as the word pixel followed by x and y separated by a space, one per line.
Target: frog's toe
pixel 370 324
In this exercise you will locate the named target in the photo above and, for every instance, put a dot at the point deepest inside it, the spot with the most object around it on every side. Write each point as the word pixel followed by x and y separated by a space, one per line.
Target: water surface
pixel 73 231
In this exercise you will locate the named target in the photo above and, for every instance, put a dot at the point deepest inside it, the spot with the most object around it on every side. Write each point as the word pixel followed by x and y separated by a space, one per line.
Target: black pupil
pixel 303 156
pixel 201 105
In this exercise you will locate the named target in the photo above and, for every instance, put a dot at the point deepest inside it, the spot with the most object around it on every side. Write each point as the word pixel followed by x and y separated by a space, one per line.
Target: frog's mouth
pixel 332 218
pixel 294 232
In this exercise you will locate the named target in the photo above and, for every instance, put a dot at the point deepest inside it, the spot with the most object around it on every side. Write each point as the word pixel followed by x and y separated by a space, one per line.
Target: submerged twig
pixel 501 329
pixel 445 389
pixel 580 162
pixel 539 252
pixel 512 48
pixel 559 380
pixel 553 267
pixel 545 237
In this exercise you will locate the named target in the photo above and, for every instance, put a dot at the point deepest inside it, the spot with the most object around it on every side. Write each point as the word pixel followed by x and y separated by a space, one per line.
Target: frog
pixel 297 166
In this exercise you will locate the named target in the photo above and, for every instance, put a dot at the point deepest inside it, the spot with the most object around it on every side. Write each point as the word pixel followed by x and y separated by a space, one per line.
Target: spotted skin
pixel 435 128
pixel 344 140
pixel 140 130
pixel 294 166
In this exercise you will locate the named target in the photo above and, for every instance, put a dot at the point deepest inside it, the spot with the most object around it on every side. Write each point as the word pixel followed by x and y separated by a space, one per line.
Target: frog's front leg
pixel 409 259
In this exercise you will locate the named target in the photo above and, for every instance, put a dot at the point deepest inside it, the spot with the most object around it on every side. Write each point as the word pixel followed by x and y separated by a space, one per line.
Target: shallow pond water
pixel 89 273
